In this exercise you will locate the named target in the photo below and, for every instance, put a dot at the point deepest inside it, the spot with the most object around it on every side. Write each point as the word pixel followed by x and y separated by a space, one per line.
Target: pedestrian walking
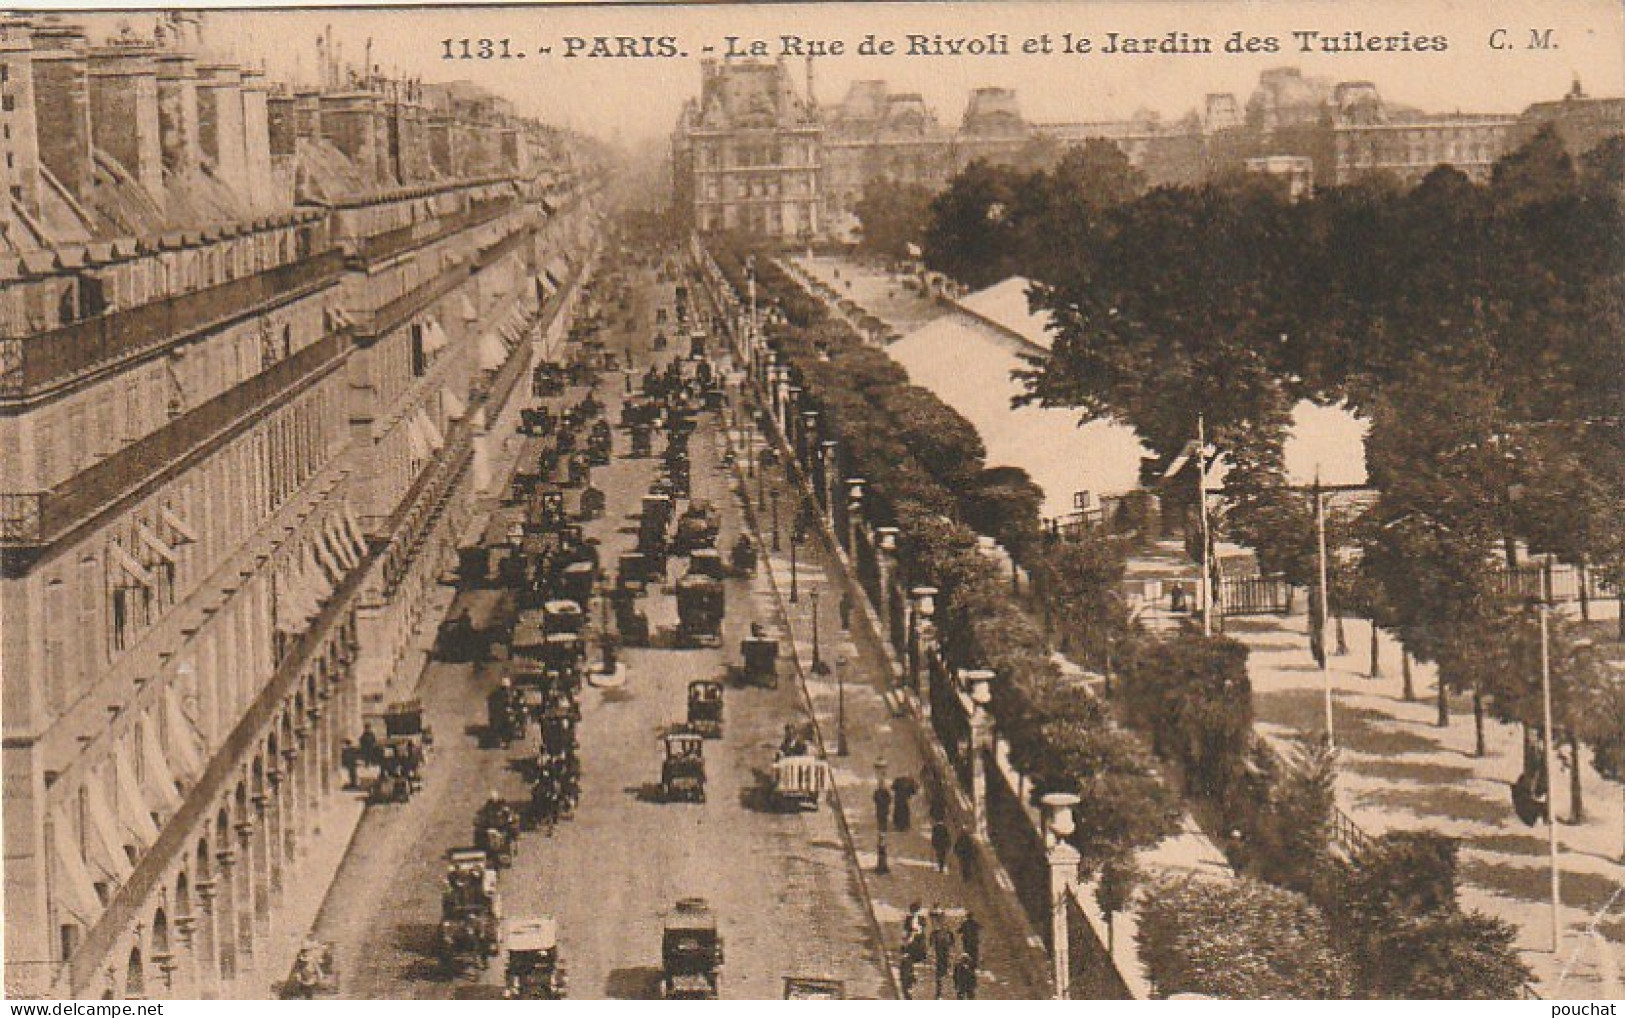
pixel 935 802
pixel 846 612
pixel 942 946
pixel 965 978
pixel 970 939
pixel 903 788
pixel 905 970
pixel 351 758
pixel 942 842
pixel 882 805
pixel 965 852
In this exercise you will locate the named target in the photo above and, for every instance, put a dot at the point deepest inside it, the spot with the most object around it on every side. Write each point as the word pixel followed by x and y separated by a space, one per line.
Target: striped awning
pixel 157 777
pixel 430 432
pixel 134 814
pixel 105 841
pixel 182 739
pixel 417 445
pixel 456 409
pixel 353 531
pixel 73 889
pixel 492 353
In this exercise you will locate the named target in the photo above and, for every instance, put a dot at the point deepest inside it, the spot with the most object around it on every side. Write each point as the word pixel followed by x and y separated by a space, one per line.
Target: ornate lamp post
pixel 1063 864
pixel 795 539
pixel 840 706
pixel 775 500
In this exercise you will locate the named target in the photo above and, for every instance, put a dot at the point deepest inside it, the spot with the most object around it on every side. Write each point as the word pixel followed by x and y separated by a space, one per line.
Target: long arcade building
pixel 238 454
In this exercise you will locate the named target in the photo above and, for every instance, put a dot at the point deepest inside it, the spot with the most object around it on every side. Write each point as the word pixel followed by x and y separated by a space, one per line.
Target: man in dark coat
pixel 942 842
pixel 882 805
pixel 970 939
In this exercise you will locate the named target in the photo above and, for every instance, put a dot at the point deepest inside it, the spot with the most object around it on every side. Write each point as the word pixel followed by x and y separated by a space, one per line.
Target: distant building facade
pixel 748 153
pixel 733 146
pixel 257 347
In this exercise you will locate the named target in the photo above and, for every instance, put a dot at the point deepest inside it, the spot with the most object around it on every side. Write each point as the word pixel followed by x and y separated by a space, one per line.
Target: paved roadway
pixel 782 885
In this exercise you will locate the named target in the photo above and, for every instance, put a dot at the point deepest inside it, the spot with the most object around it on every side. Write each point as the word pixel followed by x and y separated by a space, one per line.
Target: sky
pixel 634 100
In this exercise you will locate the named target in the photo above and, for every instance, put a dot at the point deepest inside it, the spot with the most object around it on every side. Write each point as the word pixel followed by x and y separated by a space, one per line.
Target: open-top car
pixel 682 772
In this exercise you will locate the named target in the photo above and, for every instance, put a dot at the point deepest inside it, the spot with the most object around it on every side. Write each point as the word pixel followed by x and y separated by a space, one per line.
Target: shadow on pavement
pixel 640 983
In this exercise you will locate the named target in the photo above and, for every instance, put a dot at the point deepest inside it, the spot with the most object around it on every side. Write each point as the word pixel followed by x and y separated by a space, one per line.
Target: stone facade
pixel 238 443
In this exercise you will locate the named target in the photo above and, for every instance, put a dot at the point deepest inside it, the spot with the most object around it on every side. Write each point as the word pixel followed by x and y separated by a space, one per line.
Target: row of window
pixel 38 305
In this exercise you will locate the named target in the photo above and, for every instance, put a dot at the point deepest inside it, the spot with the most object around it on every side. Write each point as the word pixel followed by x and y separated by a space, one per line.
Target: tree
pixel 893 216
pixel 1287 820
pixel 1239 940
pixel 971 237
pixel 1193 695
pixel 1603 727
pixel 1081 576
pixel 1004 503
pixel 1400 922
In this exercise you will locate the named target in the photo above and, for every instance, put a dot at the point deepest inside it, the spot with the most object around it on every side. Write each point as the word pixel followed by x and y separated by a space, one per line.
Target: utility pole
pixel 1551 774
pixel 1206 587
pixel 1324 599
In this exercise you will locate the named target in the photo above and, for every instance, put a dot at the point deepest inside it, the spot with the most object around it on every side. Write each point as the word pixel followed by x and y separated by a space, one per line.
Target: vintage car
pixel 705 708
pixel 534 971
pixel 642 440
pixel 505 716
pixel 697 528
pixel 761 657
pixel 691 952
pixel 469 912
pixel 800 781
pixel 700 607
pixel 401 751
pixel 707 562
pixel 682 772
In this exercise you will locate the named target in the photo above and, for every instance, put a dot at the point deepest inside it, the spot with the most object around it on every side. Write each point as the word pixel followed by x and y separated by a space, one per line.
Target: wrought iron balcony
pixel 35 362
pixel 39 518
pixel 415 235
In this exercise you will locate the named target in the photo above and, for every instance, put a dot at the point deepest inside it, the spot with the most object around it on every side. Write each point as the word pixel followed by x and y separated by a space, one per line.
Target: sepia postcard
pixel 940 500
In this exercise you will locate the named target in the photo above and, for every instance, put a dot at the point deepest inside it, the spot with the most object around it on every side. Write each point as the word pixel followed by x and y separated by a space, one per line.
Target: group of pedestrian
pixel 953 949
pixel 892 807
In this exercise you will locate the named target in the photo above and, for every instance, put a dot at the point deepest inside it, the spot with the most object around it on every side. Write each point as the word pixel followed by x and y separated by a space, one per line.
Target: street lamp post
pixel 775 501
pixel 840 706
pixel 795 589
pixel 817 660
pixel 882 866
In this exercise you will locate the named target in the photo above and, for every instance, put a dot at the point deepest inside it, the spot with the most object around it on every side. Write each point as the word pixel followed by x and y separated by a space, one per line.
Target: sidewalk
pixel 1396 771
pixel 874 732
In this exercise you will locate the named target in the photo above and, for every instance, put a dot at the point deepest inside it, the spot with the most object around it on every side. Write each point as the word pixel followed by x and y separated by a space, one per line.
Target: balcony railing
pixel 389 244
pixel 39 518
pixel 32 362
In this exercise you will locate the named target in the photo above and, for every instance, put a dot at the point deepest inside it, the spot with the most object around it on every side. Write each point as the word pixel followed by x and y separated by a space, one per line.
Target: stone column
pixel 1063 868
pixel 807 447
pixel 226 917
pixel 885 573
pixel 980 682
pixel 242 893
pixel 261 873
pixel 277 826
pixel 922 637
pixel 854 518
pixel 189 985
pixel 831 471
